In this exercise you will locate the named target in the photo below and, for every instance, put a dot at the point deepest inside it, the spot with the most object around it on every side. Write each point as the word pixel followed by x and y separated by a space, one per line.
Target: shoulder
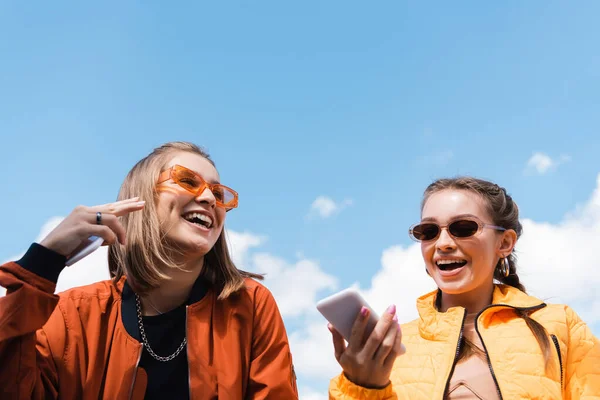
pixel 100 293
pixel 553 314
pixel 562 321
pixel 252 294
pixel 259 294
pixel 566 315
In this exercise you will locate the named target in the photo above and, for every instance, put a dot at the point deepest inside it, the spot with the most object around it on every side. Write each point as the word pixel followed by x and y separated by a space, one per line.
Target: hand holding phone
pixel 373 343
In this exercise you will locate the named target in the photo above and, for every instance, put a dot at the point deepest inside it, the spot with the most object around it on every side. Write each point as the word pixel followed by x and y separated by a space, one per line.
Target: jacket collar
pixel 435 324
pixel 129 310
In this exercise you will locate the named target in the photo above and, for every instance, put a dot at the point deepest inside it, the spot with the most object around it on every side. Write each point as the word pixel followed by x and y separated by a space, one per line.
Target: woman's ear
pixel 507 243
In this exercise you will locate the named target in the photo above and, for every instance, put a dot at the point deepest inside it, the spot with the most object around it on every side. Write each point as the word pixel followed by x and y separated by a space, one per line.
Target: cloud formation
pixel 542 163
pixel 325 207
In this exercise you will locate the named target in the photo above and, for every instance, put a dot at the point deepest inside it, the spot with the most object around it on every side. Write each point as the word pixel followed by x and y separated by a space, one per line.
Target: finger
pixel 398 346
pixel 358 329
pixel 387 344
pixel 119 208
pixel 104 232
pixel 111 221
pixel 339 345
pixel 380 330
pixel 117 203
pixel 398 349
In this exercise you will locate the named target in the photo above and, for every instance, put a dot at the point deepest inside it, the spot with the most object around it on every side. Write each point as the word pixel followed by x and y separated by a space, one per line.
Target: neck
pixel 172 292
pixel 473 301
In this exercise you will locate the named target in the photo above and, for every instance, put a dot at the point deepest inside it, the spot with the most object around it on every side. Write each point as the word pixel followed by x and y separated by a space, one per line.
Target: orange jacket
pixel 515 358
pixel 82 344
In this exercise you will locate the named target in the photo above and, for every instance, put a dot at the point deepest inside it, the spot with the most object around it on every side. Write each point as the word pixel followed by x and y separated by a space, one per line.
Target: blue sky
pixel 351 101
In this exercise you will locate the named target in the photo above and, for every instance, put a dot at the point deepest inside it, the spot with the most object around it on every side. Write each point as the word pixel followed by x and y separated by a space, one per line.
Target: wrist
pixel 43 262
pixel 367 384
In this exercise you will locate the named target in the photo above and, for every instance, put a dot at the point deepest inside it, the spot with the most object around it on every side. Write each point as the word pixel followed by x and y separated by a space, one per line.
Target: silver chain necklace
pixel 138 306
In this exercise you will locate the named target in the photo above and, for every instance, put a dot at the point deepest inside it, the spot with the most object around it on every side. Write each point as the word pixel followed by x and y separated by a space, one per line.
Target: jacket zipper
pixel 557 345
pixel 462 324
pixel 187 354
pixel 487 356
pixel 137 363
pixel 483 343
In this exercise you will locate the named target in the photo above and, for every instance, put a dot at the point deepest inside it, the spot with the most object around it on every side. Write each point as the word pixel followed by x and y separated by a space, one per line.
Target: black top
pixel 165 332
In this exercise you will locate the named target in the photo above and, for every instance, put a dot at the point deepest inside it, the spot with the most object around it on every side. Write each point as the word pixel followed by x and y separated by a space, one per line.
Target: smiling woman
pixel 177 319
pixel 479 335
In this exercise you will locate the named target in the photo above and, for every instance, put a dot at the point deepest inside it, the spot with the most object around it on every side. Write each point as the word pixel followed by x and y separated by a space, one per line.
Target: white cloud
pixel 295 286
pixel 240 244
pixel 542 163
pixel 325 207
pixel 313 350
pixel 308 394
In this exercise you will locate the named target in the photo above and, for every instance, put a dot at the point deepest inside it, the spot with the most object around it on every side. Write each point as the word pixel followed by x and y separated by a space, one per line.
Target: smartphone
pixel 342 308
pixel 85 249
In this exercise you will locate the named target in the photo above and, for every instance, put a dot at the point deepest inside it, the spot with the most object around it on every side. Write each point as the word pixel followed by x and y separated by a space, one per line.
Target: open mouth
pixel 198 219
pixel 450 265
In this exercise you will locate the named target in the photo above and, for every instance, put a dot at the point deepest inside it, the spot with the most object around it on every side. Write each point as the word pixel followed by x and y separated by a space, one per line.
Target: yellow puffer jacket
pixel 515 358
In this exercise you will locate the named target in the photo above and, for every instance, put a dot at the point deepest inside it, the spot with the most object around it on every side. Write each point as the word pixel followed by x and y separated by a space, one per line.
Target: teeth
pixel 204 218
pixel 446 262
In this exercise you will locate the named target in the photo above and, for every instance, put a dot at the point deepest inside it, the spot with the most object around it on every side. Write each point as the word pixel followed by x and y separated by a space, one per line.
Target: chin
pixel 191 248
pixel 456 287
pixel 197 248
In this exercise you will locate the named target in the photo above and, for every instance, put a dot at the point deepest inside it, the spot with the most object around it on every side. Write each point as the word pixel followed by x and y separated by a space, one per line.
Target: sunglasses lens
pixel 463 228
pixel 425 232
pixel 224 194
pixel 187 180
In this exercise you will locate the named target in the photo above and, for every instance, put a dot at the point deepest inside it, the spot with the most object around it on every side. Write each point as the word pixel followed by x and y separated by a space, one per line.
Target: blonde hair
pixel 145 253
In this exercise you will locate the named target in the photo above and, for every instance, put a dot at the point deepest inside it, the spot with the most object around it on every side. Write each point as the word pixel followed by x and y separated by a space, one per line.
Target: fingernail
pixel 402 349
pixel 142 202
pixel 391 309
pixel 395 318
pixel 364 311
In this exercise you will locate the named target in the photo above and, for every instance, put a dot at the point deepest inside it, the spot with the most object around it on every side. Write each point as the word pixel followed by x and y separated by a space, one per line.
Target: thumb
pixel 339 345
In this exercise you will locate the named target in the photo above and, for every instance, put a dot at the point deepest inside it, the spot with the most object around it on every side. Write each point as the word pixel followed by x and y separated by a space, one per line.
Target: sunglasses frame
pixel 168 174
pixel 480 226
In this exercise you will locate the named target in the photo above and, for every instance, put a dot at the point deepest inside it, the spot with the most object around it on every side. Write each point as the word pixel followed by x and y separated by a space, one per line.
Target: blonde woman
pixel 178 320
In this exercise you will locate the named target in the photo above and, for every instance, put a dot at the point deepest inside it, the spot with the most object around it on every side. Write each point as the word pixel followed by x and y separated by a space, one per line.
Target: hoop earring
pixel 505 269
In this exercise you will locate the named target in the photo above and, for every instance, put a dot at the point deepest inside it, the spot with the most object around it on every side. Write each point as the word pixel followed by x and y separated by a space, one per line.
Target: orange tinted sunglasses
pixel 193 183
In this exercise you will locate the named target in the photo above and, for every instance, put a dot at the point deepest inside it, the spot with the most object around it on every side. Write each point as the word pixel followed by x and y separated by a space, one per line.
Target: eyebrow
pixel 453 218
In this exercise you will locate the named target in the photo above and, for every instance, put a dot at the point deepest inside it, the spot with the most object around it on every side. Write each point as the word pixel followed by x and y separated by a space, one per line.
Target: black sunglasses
pixel 460 229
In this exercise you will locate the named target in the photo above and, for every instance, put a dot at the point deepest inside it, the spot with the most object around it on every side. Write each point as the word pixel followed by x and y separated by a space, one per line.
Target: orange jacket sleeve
pixel 582 375
pixel 272 373
pixel 340 388
pixel 27 362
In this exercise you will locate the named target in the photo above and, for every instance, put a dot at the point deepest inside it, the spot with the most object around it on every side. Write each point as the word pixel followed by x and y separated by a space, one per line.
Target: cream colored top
pixel 472 378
